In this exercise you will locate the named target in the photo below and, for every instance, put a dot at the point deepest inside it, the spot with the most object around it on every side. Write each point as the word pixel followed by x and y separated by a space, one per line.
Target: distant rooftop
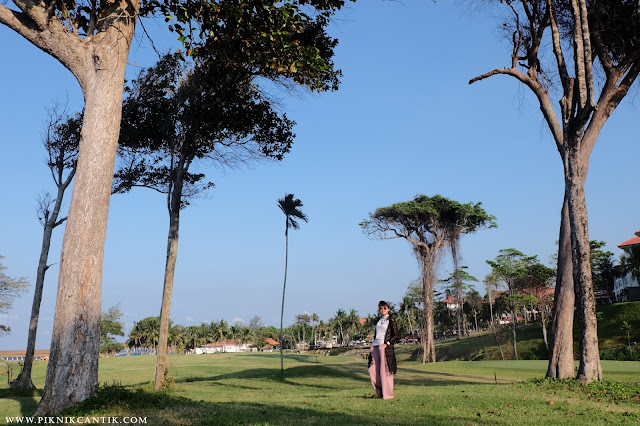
pixel 631 241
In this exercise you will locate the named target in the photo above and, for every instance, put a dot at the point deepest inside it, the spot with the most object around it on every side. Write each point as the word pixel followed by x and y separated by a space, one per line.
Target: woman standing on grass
pixel 382 359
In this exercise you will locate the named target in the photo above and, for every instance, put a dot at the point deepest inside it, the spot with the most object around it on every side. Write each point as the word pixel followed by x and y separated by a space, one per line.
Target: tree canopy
pixel 176 115
pixel 423 218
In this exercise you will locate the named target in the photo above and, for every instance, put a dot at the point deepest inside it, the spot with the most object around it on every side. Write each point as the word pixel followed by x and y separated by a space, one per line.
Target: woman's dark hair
pixel 383 303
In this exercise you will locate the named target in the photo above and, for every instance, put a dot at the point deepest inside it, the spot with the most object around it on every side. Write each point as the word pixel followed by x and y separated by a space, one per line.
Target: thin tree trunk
pixel 165 310
pixel 174 203
pixel 464 321
pixel 410 325
pixel 490 306
pixel 561 348
pixel 458 311
pixel 72 372
pixel 284 287
pixel 575 175
pixel 23 381
pixel 514 322
pixel 544 330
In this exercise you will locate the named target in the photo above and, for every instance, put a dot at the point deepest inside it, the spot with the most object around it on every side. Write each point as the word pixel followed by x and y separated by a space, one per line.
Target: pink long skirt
pixel 381 378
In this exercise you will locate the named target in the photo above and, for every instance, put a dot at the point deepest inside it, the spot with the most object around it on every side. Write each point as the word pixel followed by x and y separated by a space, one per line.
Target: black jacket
pixel 390 338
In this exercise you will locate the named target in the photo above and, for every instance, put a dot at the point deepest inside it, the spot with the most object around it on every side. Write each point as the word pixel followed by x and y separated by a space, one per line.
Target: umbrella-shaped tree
pixel 426 222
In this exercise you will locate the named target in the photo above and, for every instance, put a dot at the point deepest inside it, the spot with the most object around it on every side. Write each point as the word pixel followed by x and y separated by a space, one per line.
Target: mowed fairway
pixel 247 389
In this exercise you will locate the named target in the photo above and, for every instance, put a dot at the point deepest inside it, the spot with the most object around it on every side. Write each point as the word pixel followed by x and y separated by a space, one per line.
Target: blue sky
pixel 404 122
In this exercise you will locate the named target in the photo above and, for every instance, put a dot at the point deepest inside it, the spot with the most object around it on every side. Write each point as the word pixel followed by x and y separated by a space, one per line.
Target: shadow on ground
pixel 168 409
pixel 28 400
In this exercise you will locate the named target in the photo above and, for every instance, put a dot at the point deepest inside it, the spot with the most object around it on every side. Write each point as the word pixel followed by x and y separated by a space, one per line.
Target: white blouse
pixel 381 330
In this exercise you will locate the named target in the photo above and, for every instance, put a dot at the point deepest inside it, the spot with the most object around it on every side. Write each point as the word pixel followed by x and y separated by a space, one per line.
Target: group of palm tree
pixel 145 334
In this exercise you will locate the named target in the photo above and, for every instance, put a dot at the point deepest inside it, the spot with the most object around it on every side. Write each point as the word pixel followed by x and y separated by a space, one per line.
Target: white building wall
pixel 622 283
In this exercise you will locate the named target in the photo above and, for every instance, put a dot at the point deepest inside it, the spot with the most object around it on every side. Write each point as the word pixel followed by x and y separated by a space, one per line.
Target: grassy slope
pixel 483 346
pixel 247 389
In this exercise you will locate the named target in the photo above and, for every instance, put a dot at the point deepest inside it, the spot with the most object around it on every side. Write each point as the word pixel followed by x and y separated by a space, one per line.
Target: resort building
pixel 627 288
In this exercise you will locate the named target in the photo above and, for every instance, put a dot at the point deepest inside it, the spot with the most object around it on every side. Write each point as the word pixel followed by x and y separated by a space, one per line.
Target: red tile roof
pixel 271 341
pixel 631 241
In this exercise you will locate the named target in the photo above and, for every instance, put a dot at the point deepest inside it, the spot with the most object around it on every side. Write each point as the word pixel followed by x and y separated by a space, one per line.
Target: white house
pixel 451 303
pixel 627 288
pixel 225 346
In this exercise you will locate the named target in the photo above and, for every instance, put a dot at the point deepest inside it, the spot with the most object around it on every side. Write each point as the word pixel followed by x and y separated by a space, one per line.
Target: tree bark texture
pixel 72 373
pixel 575 177
pixel 165 309
pixel 23 381
pixel 561 351
pixel 428 277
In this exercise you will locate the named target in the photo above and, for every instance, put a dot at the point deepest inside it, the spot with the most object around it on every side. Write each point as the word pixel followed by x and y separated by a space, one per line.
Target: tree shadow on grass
pixel 28 400
pixel 324 377
pixel 436 378
pixel 164 408
pixel 316 372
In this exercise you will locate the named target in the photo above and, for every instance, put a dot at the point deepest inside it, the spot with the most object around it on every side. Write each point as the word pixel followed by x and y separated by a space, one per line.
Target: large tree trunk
pixel 72 373
pixel 428 277
pixel 561 352
pixel 23 381
pixel 575 176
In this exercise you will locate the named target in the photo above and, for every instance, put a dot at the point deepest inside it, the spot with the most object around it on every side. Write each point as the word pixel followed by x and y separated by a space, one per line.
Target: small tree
pixel 491 284
pixel 508 267
pixel 457 282
pixel 60 140
pixel 291 207
pixel 474 300
pixel 536 282
pixel 303 320
pixel 626 327
pixel 111 326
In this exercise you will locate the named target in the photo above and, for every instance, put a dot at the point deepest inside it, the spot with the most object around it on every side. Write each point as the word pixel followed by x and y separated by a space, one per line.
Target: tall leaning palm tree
pixel 290 206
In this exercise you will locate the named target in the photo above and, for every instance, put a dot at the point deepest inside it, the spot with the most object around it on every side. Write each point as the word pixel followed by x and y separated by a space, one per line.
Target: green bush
pixel 620 354
pixel 113 347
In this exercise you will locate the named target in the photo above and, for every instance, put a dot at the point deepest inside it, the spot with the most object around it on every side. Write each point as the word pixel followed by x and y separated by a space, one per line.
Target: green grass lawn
pixel 247 389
